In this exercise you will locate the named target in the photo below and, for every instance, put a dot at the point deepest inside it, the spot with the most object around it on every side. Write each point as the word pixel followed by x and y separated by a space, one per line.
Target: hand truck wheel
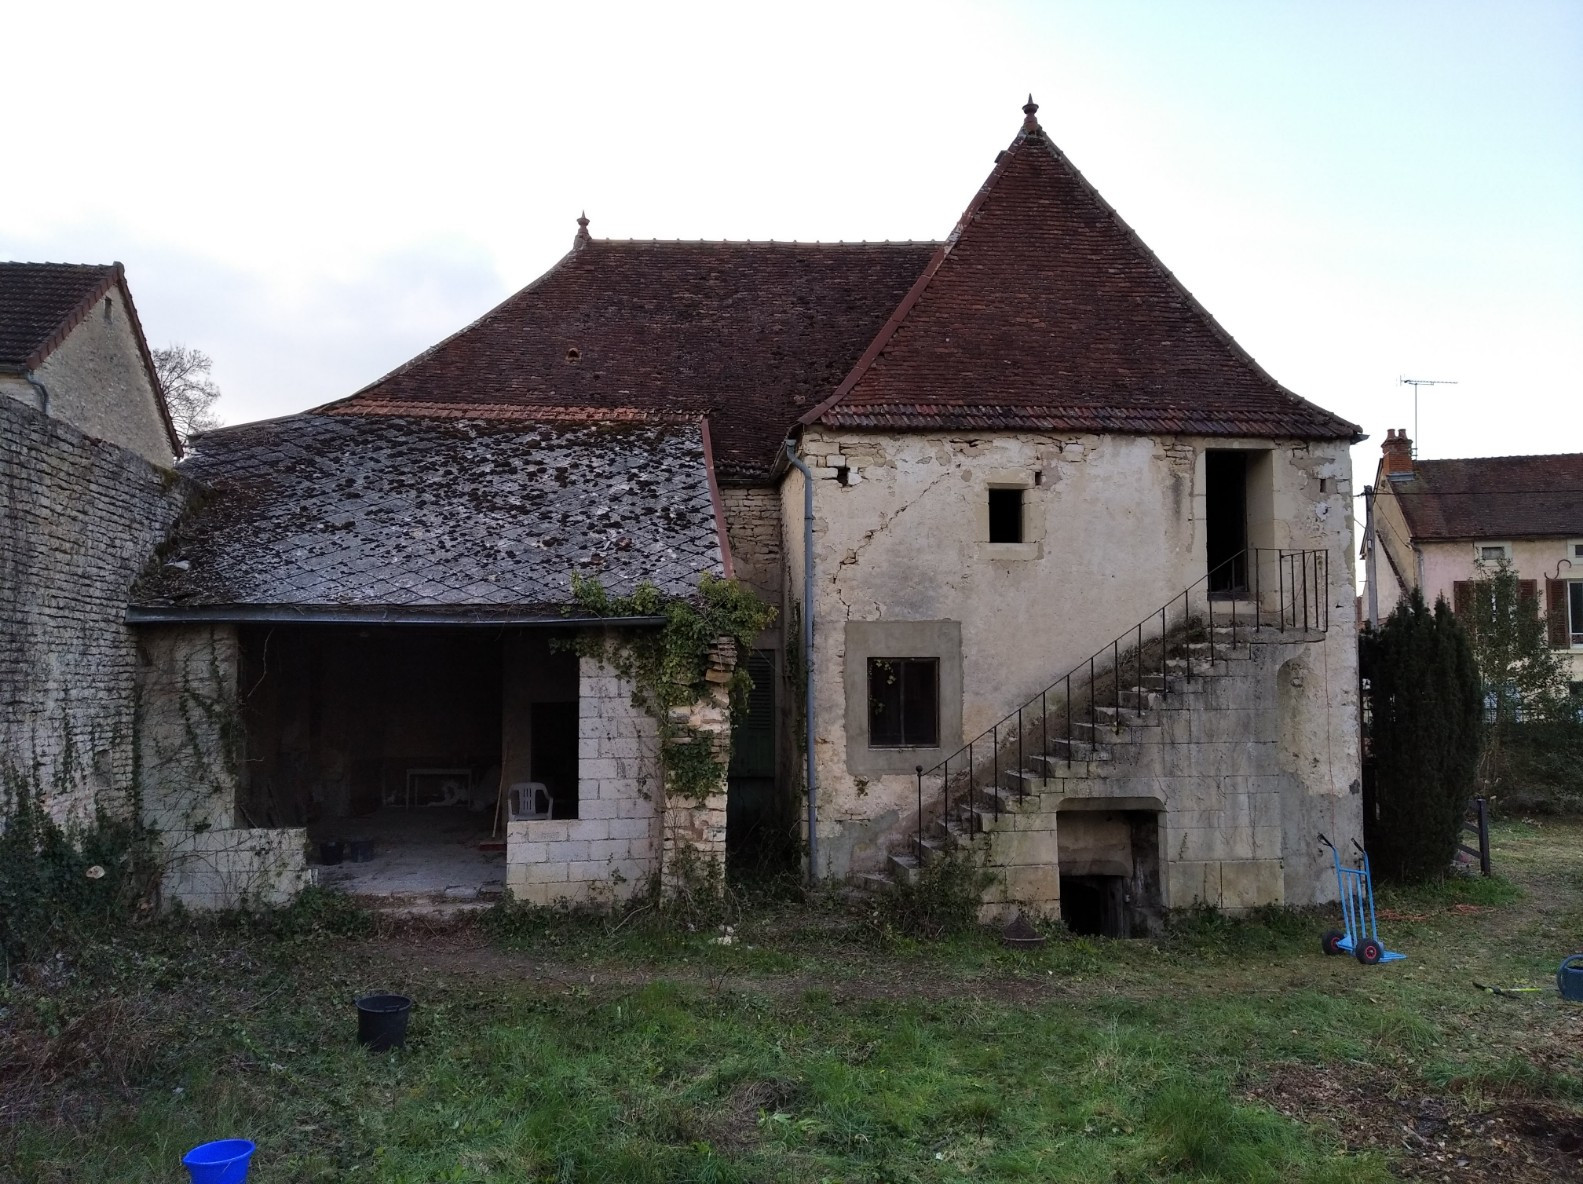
pixel 1331 942
pixel 1370 951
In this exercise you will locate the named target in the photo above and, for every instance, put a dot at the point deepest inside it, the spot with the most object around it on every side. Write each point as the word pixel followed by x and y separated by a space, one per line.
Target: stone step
pixel 925 849
pixel 903 868
pixel 1063 751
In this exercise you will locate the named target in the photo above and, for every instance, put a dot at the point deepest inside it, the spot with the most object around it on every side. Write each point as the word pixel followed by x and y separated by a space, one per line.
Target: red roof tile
pixel 751 334
pixel 1493 497
pixel 1043 310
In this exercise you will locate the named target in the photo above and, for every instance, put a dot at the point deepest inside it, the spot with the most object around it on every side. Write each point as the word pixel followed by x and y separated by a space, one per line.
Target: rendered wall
pixel 97 382
pixel 79 519
pixel 1116 526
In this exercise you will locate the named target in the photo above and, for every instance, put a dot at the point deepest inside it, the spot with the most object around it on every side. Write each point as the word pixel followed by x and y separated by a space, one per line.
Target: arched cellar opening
pixel 1110 872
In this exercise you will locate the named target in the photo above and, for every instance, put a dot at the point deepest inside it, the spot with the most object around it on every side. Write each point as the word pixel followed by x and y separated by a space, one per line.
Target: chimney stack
pixel 1398 452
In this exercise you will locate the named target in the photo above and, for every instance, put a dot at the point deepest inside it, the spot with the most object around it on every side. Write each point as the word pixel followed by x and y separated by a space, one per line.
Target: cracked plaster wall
pixel 1119 524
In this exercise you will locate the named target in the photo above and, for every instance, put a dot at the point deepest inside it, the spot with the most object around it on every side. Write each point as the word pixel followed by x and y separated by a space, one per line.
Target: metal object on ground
pixel 1361 938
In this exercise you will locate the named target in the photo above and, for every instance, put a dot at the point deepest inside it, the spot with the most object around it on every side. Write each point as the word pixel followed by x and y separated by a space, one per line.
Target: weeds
pixel 942 899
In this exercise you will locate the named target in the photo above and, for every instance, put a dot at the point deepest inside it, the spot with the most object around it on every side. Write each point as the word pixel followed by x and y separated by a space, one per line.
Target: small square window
pixel 1005 515
pixel 903 702
pixel 1494 552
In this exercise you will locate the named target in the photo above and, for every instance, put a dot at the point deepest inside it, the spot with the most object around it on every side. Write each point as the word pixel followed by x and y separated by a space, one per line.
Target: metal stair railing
pixel 1297 599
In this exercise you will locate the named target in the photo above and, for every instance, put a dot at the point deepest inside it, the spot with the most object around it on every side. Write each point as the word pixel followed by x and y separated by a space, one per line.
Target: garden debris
pixel 1440 1138
pixel 1021 934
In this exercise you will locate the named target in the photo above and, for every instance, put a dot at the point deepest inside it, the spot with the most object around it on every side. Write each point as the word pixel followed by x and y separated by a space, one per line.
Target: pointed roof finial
pixel 582 232
pixel 1029 110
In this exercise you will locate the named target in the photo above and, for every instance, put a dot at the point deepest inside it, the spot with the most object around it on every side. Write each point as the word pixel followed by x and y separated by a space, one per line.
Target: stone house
pixel 1055 565
pixel 1437 521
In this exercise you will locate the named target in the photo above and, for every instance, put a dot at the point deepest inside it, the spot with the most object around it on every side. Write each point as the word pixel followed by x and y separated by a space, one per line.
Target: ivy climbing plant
pixel 668 666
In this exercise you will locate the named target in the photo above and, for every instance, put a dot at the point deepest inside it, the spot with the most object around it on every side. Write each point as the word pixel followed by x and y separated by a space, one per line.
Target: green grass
pixel 818 1045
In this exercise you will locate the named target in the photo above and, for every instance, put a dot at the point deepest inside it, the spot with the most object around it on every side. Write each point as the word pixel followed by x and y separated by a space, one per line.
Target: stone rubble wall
pixel 753 529
pixel 695 832
pixel 79 519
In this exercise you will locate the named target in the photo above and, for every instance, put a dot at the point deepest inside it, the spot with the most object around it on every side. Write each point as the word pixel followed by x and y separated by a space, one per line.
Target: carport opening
pixel 404 745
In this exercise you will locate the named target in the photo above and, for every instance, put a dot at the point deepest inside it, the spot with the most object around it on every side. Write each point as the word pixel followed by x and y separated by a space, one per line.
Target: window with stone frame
pixel 903 702
pixel 1005 515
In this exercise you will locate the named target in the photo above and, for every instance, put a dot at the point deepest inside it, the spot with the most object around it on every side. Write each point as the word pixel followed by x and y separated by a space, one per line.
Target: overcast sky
pixel 314 193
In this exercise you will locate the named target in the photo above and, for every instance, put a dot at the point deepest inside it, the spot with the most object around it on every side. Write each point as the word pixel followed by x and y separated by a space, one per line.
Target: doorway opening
pixel 757 829
pixel 1094 906
pixel 1110 872
pixel 1226 521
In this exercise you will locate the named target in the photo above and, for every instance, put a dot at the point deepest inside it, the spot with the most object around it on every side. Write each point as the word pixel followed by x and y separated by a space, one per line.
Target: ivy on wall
pixel 669 665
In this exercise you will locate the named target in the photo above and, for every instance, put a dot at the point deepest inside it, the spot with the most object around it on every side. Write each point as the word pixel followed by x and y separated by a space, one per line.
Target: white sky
pixel 314 193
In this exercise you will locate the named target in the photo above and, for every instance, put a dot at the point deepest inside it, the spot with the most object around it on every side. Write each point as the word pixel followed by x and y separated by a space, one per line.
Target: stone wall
pixel 626 831
pixel 1221 764
pixel 1113 527
pixel 189 744
pixel 753 528
pixel 79 519
pixel 611 849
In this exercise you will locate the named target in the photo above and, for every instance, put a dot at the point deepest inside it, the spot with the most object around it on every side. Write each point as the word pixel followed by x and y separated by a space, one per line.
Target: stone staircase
pixel 1186 744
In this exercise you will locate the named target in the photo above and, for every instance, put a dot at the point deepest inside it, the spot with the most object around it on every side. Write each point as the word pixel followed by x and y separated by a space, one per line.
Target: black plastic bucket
pixel 330 851
pixel 359 850
pixel 382 1021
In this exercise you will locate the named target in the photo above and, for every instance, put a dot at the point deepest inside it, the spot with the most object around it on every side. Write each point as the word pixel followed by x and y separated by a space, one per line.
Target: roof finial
pixel 582 232
pixel 1029 110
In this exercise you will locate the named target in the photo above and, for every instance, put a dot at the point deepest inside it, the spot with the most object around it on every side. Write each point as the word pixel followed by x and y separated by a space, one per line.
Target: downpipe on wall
pixel 807 647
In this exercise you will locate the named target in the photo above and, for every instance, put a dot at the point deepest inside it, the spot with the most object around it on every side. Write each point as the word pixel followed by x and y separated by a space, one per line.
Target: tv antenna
pixel 1415 383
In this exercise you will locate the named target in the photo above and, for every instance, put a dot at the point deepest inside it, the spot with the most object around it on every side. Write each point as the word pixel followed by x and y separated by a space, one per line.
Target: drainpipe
pixel 807 648
pixel 1370 541
pixel 43 395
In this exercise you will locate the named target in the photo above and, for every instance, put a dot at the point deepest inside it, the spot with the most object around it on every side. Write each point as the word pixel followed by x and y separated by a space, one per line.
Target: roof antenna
pixel 1415 383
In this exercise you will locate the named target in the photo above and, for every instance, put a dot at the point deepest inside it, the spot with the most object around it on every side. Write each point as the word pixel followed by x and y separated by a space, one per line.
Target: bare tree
pixel 189 391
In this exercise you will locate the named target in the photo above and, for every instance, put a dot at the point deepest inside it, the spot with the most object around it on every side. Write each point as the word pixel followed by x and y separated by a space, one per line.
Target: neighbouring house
pixel 1064 579
pixel 1438 521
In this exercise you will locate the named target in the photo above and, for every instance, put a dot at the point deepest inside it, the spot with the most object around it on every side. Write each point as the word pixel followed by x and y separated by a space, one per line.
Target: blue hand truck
pixel 1361 937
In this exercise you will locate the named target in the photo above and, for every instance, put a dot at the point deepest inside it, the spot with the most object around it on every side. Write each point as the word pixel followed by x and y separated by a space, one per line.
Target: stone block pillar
pixel 695 830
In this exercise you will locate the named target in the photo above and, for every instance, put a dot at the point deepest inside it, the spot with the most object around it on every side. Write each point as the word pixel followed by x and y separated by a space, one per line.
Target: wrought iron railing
pixel 1260 588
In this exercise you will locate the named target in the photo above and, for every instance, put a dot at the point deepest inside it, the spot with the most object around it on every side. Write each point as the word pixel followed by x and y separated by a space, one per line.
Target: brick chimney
pixel 1398 451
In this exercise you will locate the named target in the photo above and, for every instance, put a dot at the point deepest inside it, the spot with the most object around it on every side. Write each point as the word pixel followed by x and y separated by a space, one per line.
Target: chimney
pixel 1398 452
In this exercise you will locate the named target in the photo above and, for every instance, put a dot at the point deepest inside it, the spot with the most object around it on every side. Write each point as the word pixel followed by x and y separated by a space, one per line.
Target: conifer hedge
pixel 1425 728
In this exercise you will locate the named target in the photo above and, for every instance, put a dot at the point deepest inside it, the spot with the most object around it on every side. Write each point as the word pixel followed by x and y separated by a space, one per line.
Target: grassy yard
pixel 819 1046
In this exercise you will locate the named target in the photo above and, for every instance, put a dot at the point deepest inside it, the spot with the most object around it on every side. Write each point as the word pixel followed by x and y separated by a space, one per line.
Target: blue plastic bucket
pixel 1570 978
pixel 222 1162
